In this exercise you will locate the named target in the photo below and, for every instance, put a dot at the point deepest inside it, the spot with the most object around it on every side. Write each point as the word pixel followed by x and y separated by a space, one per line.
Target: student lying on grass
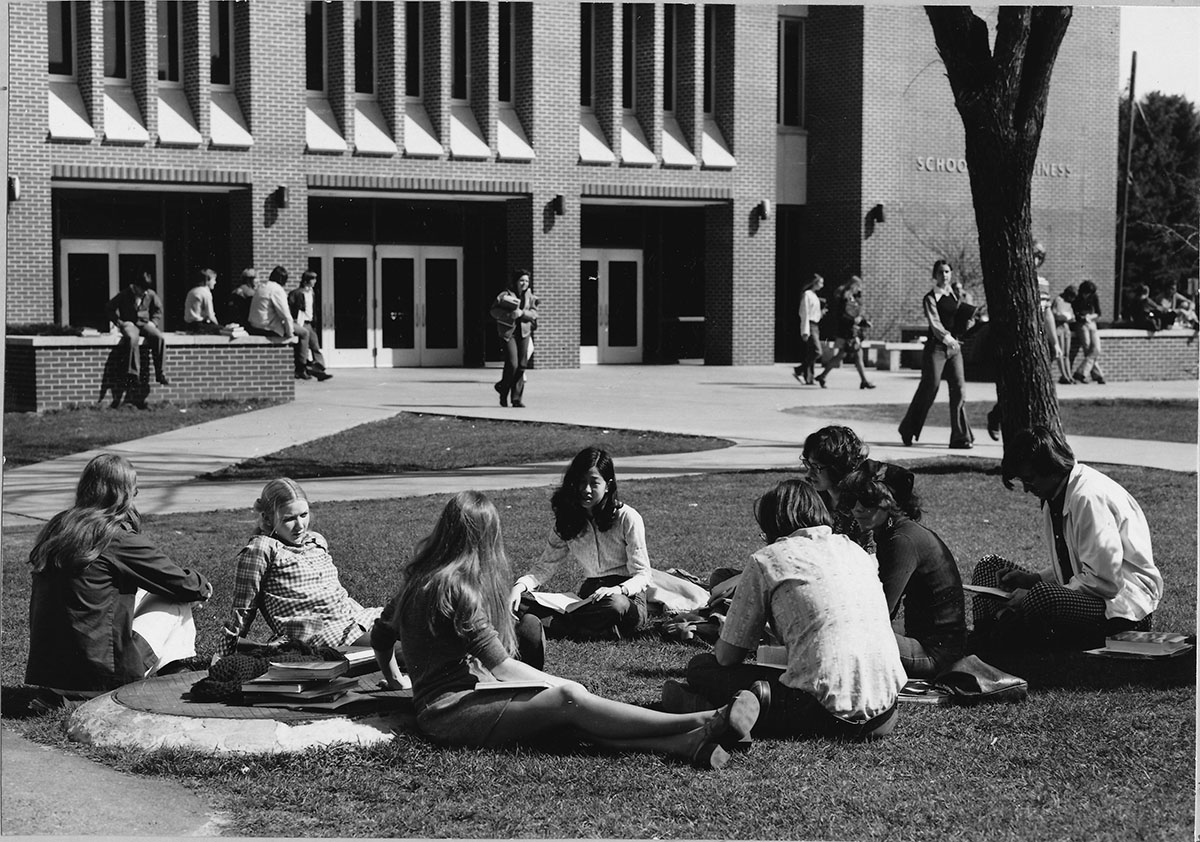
pixel 606 538
pixel 107 608
pixel 286 572
pixel 1100 578
pixel 456 628
pixel 821 594
pixel 915 566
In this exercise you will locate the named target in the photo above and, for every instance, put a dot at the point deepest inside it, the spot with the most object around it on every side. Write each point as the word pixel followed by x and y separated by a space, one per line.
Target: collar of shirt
pixel 1059 497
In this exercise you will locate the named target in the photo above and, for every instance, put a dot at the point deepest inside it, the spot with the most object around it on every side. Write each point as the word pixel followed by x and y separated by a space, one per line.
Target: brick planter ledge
pixel 54 372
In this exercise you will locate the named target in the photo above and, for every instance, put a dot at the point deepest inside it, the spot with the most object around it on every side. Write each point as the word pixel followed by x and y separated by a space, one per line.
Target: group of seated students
pixel 845 548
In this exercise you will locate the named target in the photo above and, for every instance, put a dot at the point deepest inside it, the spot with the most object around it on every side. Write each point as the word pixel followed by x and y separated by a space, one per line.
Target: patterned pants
pixel 1050 613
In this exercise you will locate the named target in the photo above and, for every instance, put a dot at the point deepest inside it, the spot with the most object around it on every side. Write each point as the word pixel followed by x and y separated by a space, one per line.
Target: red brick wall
pixel 47 376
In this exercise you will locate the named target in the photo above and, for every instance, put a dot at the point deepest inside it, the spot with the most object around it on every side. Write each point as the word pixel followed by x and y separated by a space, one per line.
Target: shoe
pixel 678 697
pixel 1098 378
pixel 798 375
pixel 1079 378
pixel 907 438
pixel 321 374
pixel 161 379
pixel 820 378
pixel 962 445
pixel 1065 381
pixel 762 691
pixel 710 755
pixel 499 387
pixel 993 426
pixel 303 375
pixel 866 384
pixel 731 724
pixel 518 405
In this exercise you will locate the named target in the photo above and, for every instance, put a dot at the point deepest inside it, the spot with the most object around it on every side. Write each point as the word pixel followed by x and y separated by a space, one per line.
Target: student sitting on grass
pixel 915 566
pixel 107 608
pixel 1100 578
pixel 830 454
pixel 286 572
pixel 456 629
pixel 607 540
pixel 821 595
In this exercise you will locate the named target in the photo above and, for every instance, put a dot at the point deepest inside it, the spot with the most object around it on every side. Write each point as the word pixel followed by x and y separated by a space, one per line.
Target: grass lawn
pixel 29 437
pixel 1124 418
pixel 1096 752
pixel 418 442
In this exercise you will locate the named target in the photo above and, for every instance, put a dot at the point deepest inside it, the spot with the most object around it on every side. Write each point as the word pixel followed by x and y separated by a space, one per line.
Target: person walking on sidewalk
pixel 137 311
pixel 845 323
pixel 1087 313
pixel 810 330
pixel 942 357
pixel 516 315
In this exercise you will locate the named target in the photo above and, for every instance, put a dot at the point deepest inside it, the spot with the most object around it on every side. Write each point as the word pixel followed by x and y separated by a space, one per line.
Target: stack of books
pixel 360 659
pixel 1145 645
pixel 233 330
pixel 285 684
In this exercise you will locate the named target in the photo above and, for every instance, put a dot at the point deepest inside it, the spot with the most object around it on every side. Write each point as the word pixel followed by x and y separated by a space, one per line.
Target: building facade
pixel 668 173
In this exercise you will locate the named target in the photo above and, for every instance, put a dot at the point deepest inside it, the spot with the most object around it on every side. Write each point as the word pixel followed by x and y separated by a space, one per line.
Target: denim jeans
pixel 935 364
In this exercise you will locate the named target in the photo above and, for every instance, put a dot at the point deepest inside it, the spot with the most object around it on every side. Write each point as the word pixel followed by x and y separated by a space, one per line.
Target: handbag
pixel 971 681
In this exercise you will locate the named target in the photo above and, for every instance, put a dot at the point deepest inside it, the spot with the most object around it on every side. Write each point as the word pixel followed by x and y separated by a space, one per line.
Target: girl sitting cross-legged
pixel 456 629
pixel 607 540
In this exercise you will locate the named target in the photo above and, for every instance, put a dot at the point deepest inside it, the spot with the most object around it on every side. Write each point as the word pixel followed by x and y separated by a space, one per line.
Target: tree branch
pixel 1047 27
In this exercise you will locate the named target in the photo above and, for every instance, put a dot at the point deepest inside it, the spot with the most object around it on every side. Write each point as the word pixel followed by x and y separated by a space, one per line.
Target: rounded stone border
pixel 105 722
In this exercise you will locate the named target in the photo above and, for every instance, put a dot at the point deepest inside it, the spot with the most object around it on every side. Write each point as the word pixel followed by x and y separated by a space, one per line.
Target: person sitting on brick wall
pixel 137 311
pixel 199 314
pixel 270 316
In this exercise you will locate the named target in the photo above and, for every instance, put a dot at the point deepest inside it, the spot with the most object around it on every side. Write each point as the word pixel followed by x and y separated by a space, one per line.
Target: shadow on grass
pixel 1077 671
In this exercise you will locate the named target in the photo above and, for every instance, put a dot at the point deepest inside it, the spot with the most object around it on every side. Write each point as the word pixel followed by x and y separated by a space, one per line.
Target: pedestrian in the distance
pixel 810 330
pixel 845 324
pixel 1087 313
pixel 516 315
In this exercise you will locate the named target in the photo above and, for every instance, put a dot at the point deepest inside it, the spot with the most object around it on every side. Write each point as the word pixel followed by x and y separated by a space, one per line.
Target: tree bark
pixel 1001 97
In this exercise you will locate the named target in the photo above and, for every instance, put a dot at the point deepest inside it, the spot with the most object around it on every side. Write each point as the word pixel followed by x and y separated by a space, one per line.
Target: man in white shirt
pixel 199 314
pixel 271 316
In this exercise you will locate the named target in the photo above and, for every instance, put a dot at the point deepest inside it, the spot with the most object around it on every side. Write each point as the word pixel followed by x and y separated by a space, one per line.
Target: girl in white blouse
pixel 607 540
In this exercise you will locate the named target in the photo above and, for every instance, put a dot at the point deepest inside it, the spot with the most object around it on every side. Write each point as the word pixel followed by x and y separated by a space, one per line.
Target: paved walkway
pixel 757 407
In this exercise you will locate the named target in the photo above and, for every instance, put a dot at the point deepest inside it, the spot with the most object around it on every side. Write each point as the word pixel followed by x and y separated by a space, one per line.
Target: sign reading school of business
pixel 959 165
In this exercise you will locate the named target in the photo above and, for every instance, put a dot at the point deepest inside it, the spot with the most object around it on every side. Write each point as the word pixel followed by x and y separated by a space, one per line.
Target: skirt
pixel 467 717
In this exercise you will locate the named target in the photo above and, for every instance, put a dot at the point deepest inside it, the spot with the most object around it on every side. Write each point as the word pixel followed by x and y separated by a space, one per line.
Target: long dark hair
pixel 791 505
pixel 103 504
pixel 885 486
pixel 570 518
pixel 460 569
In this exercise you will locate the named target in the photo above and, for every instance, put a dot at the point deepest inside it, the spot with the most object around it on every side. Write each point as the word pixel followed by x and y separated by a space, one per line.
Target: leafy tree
pixel 1164 191
pixel 1001 96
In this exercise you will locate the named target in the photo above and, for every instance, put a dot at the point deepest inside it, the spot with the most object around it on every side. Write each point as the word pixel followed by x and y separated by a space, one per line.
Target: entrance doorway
pixel 610 302
pixel 390 306
pixel 92 271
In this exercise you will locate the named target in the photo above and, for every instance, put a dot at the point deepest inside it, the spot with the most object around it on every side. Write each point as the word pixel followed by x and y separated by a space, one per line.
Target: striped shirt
pixel 298 592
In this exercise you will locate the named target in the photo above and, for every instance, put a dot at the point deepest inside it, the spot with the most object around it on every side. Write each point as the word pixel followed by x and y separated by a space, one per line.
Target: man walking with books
pixel 1100 578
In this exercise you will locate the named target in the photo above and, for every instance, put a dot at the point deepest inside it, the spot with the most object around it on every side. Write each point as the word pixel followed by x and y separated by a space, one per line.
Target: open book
pixel 563 603
pixel 924 692
pixel 984 590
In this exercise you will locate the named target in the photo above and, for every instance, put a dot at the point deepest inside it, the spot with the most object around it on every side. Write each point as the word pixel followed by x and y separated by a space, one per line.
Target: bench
pixel 886 356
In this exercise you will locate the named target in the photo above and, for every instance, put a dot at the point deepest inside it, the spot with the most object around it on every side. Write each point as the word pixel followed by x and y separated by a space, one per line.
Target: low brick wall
pixel 53 372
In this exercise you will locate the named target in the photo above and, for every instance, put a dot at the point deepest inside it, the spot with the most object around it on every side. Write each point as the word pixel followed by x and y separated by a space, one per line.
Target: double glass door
pixel 389 306
pixel 610 306
pixel 92 271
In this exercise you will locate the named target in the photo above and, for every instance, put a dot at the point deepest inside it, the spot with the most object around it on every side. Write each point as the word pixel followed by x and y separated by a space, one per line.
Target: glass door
pixel 610 302
pixel 93 271
pixel 347 304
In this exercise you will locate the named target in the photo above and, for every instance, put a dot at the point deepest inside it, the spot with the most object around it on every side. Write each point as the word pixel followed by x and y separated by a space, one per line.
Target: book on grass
pixel 1145 645
pixel 360 658
pixel 984 590
pixel 531 684
pixel 305 670
pixel 920 691
pixel 299 689
pixel 563 603
pixel 772 656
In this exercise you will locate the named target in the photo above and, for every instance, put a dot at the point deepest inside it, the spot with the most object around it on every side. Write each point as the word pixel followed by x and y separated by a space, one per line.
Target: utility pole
pixel 1118 293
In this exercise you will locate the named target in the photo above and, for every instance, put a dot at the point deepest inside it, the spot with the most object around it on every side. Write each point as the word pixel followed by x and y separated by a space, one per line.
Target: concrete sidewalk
pixel 761 408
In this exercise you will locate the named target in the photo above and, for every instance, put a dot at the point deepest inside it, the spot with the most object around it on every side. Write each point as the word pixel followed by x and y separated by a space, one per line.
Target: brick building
pixel 668 172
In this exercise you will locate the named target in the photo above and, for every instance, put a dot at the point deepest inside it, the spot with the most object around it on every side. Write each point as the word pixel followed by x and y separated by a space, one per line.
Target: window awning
pixel 122 117
pixel 714 151
pixel 420 141
pixel 226 123
pixel 176 126
pixel 512 144
pixel 321 133
pixel 466 139
pixel 371 135
pixel 593 147
pixel 634 147
pixel 67 114
pixel 675 150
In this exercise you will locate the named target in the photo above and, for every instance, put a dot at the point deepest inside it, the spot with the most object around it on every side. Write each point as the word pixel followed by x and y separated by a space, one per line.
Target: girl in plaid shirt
pixel 286 572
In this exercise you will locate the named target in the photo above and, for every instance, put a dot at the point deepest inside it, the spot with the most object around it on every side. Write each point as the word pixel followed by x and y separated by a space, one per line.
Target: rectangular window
pixel 168 40
pixel 364 48
pixel 710 34
pixel 220 16
pixel 790 110
pixel 587 52
pixel 412 50
pixel 505 65
pixel 116 39
pixel 61 30
pixel 628 56
pixel 314 45
pixel 669 19
pixel 460 55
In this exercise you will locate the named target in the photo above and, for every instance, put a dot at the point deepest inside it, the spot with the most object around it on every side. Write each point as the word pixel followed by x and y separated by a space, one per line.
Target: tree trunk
pixel 1001 97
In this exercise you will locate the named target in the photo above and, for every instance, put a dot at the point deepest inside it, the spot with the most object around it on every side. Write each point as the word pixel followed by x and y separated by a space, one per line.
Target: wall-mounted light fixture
pixel 14 188
pixel 281 196
pixel 559 205
pixel 763 209
pixel 875 214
